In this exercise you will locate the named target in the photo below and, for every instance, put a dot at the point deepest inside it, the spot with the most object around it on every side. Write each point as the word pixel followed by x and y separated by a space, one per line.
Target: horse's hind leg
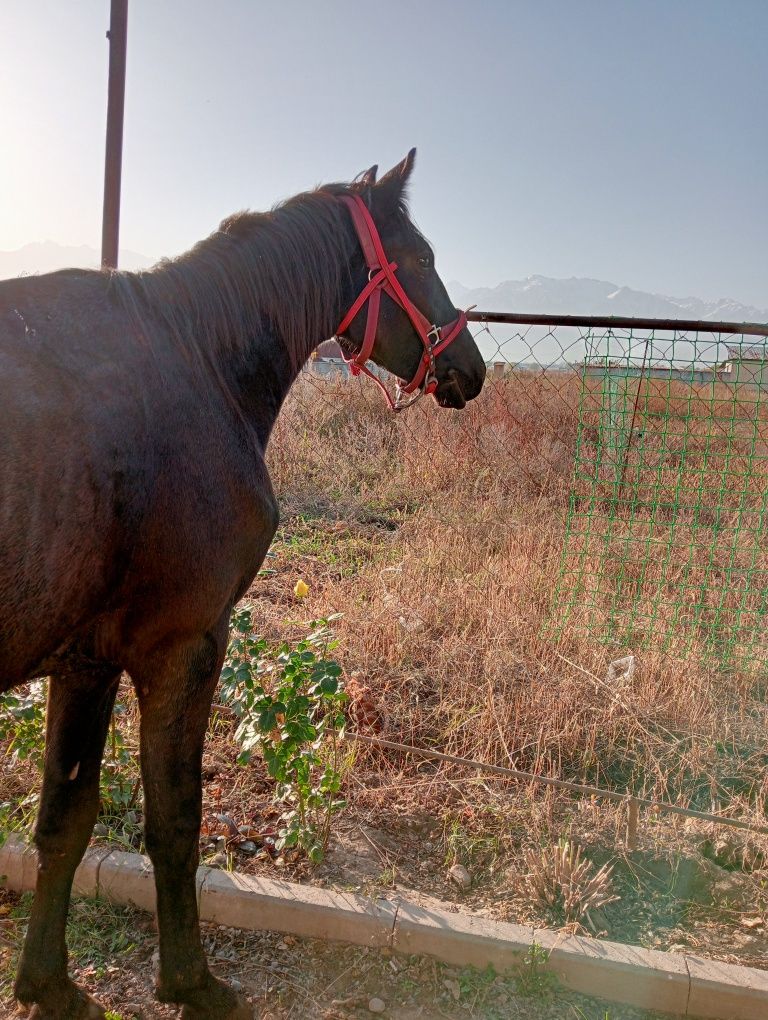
pixel 175 692
pixel 78 714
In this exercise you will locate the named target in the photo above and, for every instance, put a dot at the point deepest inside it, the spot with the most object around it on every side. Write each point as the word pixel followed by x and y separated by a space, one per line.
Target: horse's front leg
pixel 78 714
pixel 175 691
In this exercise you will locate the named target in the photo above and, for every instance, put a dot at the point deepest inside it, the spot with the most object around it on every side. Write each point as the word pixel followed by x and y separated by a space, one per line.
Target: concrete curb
pixel 674 983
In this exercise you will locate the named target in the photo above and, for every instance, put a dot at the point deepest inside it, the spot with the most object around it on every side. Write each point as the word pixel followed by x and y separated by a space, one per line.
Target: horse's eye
pixel 425 261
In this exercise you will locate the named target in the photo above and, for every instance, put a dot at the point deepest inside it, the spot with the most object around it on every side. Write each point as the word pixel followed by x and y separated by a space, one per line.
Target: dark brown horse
pixel 136 508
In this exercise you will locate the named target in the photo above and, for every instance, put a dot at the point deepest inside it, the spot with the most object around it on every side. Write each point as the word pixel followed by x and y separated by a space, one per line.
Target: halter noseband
pixel 381 277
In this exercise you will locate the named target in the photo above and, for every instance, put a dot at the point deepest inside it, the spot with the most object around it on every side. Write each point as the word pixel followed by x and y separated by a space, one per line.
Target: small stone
pixel 453 987
pixel 751 922
pixel 235 985
pixel 248 847
pixel 459 875
pixel 377 1006
pixel 100 829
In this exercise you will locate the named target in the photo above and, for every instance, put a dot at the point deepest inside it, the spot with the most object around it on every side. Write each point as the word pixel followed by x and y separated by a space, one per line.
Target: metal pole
pixel 620 322
pixel 110 230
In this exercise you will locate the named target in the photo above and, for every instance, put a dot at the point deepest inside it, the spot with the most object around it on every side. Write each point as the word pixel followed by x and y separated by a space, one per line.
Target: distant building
pixel 745 366
pixel 690 374
pixel 328 360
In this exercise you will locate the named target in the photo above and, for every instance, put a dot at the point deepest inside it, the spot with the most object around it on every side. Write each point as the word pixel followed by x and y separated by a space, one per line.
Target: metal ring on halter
pixel 435 332
pixel 400 404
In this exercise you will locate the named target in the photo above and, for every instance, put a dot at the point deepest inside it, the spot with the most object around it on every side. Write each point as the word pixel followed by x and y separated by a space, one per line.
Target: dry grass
pixel 439 537
pixel 562 879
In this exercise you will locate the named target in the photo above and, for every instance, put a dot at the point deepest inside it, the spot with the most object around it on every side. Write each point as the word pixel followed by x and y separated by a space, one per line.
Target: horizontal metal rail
pixel 621 322
pixel 560 784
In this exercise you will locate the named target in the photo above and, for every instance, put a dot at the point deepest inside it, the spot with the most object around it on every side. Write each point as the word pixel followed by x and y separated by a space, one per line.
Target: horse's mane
pixel 283 269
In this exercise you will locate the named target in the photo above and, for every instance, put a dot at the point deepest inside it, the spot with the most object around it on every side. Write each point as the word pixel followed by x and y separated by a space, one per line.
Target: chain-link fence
pixel 568 575
pixel 666 529
pixel 665 519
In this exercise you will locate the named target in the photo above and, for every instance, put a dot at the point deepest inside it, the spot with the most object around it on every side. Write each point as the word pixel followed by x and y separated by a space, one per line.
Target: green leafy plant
pixel 289 702
pixel 22 723
pixel 119 779
pixel 533 978
pixel 22 729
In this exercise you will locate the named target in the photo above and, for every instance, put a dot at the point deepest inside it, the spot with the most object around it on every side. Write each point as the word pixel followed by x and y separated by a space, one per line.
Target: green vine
pixel 289 702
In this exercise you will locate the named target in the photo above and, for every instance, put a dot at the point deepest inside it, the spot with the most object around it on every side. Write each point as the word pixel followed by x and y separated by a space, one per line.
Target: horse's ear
pixel 367 178
pixel 391 188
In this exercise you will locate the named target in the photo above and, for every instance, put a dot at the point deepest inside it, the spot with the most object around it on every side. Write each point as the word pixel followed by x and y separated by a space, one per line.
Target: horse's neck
pixel 262 373
pixel 260 381
pixel 264 296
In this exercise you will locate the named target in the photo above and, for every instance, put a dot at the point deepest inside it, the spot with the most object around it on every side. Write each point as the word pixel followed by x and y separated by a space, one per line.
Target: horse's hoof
pixel 74 1004
pixel 240 1009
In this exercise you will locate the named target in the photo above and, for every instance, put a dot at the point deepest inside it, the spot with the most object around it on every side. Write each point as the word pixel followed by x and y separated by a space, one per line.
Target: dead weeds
pixel 438 536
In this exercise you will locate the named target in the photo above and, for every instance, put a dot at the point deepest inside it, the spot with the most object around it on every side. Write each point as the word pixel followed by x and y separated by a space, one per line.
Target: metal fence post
pixel 117 35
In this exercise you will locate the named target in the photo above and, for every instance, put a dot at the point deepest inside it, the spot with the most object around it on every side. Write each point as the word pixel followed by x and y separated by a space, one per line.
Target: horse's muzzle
pixel 456 389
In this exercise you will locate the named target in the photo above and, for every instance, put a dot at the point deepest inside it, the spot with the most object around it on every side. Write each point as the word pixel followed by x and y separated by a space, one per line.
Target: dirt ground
pixel 112 950
pixel 686 887
pixel 672 895
pixel 407 824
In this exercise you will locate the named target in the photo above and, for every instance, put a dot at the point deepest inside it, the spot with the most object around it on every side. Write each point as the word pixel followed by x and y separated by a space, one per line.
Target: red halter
pixel 381 277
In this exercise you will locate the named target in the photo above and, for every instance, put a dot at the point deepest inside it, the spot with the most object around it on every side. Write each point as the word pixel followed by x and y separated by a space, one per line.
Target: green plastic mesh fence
pixel 666 538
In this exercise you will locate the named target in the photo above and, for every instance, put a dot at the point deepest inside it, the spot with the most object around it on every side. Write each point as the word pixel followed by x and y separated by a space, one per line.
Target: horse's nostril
pixel 453 391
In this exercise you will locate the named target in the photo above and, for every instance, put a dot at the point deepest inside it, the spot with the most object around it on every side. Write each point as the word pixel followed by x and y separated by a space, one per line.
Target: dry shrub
pixel 567 883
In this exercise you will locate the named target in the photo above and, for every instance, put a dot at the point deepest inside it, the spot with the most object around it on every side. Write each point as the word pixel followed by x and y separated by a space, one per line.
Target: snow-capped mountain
pixel 577 296
pixel 547 296
pixel 46 256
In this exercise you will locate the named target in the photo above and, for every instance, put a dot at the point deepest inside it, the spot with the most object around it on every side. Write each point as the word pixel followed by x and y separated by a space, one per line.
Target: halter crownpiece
pixel 381 277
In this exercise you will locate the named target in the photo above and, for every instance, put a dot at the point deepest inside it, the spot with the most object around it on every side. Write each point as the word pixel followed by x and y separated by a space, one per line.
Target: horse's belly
pixel 57 559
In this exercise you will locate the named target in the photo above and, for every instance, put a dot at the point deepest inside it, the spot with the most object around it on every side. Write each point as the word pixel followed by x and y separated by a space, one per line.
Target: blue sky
pixel 620 139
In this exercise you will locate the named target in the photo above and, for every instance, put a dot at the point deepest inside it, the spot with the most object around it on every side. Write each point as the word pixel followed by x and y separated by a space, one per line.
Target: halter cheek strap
pixel 381 277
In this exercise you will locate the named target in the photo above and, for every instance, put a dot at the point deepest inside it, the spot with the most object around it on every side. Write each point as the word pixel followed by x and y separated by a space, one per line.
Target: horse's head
pixel 402 318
